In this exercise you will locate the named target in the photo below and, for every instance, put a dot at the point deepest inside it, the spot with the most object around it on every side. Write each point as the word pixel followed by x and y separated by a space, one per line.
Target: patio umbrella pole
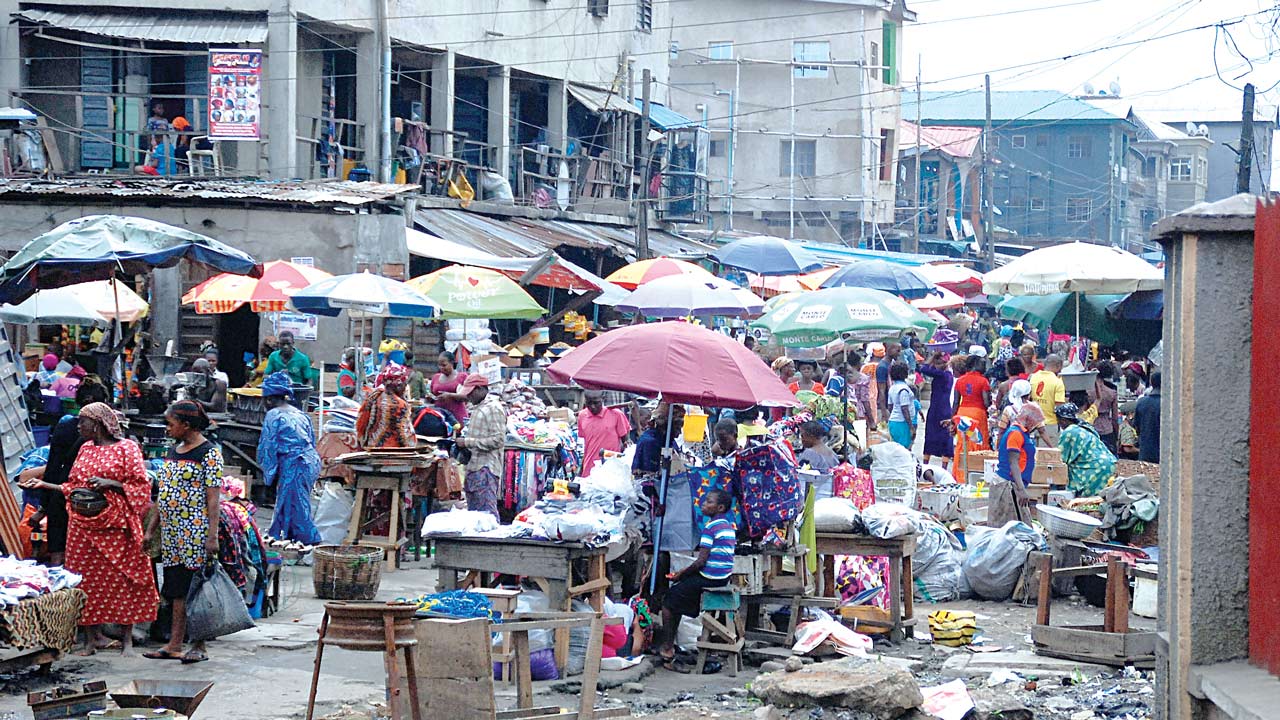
pixel 1077 316
pixel 662 501
pixel 119 328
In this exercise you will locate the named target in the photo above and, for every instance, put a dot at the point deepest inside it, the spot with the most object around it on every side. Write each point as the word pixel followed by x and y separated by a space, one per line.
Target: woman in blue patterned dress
pixel 287 455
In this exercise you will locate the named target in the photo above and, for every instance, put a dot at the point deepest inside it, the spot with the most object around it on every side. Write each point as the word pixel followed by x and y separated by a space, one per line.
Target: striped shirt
pixel 720 537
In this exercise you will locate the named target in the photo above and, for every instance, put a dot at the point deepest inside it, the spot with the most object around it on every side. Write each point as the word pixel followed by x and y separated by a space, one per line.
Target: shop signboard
pixel 235 94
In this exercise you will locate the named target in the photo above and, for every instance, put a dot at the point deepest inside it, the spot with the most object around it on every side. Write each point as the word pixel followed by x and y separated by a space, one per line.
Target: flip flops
pixel 161 654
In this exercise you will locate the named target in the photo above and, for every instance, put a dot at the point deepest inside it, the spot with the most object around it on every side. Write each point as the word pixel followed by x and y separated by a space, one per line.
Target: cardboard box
pixel 560 414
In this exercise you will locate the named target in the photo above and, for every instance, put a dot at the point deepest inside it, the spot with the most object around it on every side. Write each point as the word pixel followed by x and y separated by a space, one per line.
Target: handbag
pixel 215 607
pixel 87 502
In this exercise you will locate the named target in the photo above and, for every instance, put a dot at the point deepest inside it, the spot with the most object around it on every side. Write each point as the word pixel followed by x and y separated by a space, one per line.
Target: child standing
pixel 711 569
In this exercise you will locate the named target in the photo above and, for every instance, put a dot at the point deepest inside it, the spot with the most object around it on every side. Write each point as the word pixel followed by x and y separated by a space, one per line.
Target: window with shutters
pixel 644 15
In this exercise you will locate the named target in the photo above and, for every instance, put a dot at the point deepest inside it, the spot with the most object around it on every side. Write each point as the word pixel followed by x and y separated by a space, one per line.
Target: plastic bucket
pixel 695 427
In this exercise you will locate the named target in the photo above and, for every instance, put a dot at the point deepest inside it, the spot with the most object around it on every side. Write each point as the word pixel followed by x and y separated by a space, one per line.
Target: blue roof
pixel 968 107
pixel 843 255
pixel 664 118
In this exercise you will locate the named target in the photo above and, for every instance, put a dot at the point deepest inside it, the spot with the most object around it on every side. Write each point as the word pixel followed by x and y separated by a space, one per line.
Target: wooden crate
pixel 1090 643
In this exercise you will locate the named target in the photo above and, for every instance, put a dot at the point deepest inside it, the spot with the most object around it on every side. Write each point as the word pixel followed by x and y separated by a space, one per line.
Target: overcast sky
pixel 1022 31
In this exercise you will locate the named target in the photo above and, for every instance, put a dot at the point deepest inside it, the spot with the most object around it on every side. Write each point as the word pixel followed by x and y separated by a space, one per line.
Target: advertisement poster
pixel 302 326
pixel 235 94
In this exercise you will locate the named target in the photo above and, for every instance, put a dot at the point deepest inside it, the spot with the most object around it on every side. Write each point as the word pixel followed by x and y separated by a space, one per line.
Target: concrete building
pixel 1223 128
pixel 802 101
pixel 1063 164
pixel 949 186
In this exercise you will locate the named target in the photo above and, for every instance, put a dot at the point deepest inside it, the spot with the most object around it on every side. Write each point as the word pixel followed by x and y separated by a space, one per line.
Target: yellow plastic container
pixel 695 427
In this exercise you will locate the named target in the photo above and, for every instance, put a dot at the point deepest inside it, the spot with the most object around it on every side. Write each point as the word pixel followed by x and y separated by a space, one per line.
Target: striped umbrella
pixel 270 293
pixel 642 271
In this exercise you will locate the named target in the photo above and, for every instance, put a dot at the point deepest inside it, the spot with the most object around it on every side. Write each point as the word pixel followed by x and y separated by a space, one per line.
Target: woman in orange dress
pixel 974 393
pixel 106 548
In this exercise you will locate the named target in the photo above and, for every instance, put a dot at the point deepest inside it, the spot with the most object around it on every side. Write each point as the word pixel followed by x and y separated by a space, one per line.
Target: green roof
pixel 968 107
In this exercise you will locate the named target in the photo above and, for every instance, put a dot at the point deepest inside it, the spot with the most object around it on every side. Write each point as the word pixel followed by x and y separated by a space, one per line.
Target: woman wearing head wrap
pixel 105 547
pixel 48 372
pixel 190 480
pixel 973 392
pixel 385 419
pixel 287 455
pixel 1016 449
pixel 1090 465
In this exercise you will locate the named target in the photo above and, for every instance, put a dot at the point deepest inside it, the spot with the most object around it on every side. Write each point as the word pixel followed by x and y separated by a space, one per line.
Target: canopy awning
pixel 550 270
pixel 185 26
pixel 598 101
pixel 664 118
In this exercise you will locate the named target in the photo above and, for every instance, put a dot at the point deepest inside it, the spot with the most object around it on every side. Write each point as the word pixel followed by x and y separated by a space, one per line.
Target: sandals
pixel 162 654
pixel 676 666
pixel 194 656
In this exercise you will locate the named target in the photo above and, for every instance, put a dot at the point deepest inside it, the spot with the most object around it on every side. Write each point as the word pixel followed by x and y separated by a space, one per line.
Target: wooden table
pixel 549 564
pixel 898 550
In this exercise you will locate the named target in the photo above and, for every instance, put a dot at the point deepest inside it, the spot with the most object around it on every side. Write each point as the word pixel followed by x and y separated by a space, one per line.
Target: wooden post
pixel 1046 591
pixel 1244 169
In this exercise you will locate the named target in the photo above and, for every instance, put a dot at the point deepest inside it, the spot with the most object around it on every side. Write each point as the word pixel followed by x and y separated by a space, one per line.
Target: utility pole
pixel 791 161
pixel 917 211
pixel 1245 167
pixel 988 189
pixel 384 135
pixel 642 210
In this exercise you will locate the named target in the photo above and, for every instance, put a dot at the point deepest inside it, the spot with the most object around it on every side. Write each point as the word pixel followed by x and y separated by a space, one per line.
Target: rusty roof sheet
pixel 319 193
pixel 959 142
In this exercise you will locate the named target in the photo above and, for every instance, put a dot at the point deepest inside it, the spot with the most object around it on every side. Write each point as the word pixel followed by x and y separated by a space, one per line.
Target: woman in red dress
pixel 106 548
pixel 974 392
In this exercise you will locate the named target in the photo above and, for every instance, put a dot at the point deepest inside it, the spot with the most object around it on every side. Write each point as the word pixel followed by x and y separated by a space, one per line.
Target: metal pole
pixel 1245 168
pixel 384 140
pixel 791 174
pixel 665 468
pixel 988 182
pixel 642 211
pixel 733 133
pixel 918 215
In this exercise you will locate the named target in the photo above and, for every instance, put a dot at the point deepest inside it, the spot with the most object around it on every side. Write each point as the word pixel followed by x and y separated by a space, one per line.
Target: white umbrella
pixel 1082 268
pixel 1074 267
pixel 91 303
pixel 677 296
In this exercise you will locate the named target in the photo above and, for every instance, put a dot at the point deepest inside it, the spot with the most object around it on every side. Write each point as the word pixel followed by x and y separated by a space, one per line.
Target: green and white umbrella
pixel 845 313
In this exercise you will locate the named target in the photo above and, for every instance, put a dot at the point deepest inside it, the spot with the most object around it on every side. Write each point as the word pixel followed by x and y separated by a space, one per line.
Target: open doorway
pixel 237 334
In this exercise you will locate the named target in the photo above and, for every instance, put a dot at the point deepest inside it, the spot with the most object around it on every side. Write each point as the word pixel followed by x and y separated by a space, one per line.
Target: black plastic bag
pixel 215 607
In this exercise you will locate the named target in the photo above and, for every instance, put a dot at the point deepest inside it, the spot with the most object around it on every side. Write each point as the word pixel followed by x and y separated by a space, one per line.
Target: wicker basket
pixel 346 572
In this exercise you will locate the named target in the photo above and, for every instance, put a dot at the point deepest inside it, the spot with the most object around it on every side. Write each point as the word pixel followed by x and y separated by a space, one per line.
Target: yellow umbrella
pixel 642 271
pixel 270 293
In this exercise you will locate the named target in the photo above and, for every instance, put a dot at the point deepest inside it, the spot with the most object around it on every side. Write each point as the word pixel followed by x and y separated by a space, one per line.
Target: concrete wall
pixel 1204 488
pixel 846 102
pixel 339 242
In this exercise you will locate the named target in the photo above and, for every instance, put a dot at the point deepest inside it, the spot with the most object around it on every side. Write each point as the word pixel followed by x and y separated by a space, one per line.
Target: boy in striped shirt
pixel 711 569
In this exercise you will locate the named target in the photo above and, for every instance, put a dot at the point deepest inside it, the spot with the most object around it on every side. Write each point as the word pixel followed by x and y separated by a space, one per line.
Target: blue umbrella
pixel 96 247
pixel 889 277
pixel 363 294
pixel 766 255
pixel 1141 305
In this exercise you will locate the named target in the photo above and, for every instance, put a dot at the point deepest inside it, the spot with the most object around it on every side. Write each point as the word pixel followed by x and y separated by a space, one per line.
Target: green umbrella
pixel 1058 312
pixel 463 291
pixel 846 313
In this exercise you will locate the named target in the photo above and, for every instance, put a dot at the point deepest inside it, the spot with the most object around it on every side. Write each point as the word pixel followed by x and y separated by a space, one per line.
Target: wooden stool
pixel 397 489
pixel 504 603
pixel 372 627
pixel 720 627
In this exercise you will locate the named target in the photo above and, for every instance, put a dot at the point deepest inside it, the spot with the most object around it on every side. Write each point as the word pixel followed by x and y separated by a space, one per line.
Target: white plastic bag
pixel 889 520
pixel 835 515
pixel 333 513
pixel 810 635
pixel 996 558
pixel 937 564
pixel 458 522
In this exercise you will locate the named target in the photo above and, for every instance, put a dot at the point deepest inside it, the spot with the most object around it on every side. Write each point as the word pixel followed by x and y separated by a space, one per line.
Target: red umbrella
pixel 680 361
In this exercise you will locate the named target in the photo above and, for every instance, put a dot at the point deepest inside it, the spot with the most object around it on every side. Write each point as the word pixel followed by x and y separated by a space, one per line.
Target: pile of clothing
pixel 340 414
pixel 521 401
pixel 545 433
pixel 22 579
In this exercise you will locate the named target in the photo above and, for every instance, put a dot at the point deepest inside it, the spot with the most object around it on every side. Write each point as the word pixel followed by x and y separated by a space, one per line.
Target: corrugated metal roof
pixel 941 107
pixel 345 193
pixel 597 100
pixel 203 28
pixel 531 237
pixel 665 118
pixel 958 142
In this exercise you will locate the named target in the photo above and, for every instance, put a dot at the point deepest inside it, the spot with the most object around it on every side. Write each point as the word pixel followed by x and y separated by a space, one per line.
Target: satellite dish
pixel 1191 128
pixel 1115 87
pixel 1088 88
pixel 1203 130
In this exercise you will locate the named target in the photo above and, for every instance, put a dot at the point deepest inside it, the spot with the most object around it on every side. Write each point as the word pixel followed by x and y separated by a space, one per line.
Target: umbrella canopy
pixel 964 281
pixel 96 247
pixel 461 291
pixel 889 277
pixel 1142 305
pixel 679 361
pixel 943 299
pixel 679 296
pixel 1074 267
pixel 364 294
pixel 816 318
pixel 642 271
pixel 773 285
pixel 91 303
pixel 766 255
pixel 226 292
pixel 1058 312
